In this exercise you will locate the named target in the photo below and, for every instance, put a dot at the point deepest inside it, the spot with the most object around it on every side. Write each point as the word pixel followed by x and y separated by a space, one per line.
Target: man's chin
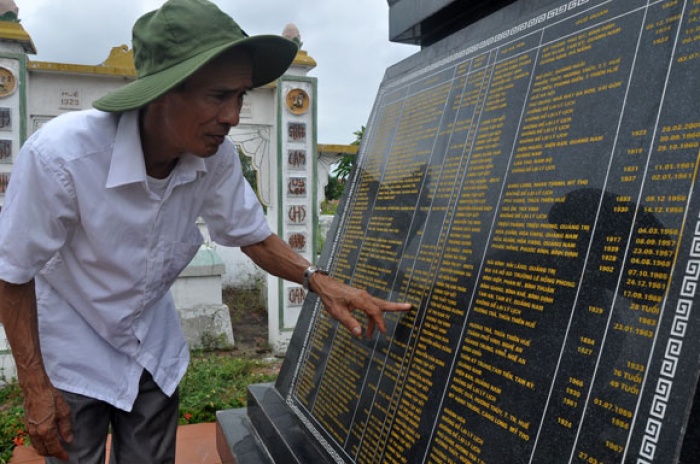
pixel 210 150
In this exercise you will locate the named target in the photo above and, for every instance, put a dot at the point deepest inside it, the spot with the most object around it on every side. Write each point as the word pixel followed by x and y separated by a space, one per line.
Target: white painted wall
pixel 46 92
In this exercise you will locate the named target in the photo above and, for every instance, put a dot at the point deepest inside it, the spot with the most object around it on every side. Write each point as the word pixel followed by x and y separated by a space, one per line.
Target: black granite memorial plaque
pixel 532 193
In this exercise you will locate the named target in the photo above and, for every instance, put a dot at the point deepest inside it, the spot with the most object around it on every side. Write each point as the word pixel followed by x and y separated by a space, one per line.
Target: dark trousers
pixel 146 435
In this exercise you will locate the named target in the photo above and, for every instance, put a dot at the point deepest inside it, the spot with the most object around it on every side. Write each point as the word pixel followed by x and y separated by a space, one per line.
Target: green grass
pixel 329 207
pixel 11 420
pixel 214 381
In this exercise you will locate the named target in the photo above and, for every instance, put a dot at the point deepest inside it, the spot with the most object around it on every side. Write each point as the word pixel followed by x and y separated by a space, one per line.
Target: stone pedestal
pixel 197 292
pixel 266 432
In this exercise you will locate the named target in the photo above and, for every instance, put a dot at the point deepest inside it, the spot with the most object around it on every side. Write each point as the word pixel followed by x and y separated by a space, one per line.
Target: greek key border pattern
pixel 317 435
pixel 672 353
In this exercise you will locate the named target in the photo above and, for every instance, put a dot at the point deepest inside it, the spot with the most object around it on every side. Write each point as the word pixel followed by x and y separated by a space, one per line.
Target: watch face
pixel 7 82
pixel 297 101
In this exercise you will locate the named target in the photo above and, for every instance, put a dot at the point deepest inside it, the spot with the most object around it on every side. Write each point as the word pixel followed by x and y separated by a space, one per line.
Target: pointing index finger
pixel 392 306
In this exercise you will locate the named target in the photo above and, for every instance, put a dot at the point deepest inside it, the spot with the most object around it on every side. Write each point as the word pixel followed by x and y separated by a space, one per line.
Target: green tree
pixel 347 162
pixel 334 188
pixel 250 174
pixel 248 170
pixel 336 179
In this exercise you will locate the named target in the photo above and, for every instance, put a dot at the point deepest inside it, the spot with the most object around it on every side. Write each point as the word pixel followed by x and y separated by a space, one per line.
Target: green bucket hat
pixel 176 40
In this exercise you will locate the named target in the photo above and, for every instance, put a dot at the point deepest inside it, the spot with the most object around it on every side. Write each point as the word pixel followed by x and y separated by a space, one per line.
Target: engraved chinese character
pixel 297 158
pixel 297 214
pixel 5 118
pixel 297 242
pixel 296 186
pixel 7 80
pixel 297 131
pixel 4 180
pixel 5 151
pixel 296 296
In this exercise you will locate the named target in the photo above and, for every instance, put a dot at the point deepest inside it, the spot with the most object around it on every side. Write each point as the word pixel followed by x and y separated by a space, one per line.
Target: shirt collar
pixel 128 165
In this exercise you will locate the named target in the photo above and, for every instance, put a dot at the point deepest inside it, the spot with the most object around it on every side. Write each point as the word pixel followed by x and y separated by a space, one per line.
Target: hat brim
pixel 271 54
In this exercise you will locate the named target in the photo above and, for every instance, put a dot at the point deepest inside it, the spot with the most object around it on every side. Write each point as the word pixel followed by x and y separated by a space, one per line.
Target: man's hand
pixel 47 416
pixel 46 413
pixel 275 256
pixel 340 300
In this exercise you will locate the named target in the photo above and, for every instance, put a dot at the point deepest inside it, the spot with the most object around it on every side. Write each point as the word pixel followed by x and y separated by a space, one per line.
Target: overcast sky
pixel 348 40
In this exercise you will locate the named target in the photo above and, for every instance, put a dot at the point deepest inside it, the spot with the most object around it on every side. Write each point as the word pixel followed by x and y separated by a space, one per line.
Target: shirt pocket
pixel 178 255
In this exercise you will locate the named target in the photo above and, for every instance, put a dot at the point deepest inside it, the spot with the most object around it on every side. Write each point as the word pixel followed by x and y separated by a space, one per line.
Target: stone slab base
pixel 268 425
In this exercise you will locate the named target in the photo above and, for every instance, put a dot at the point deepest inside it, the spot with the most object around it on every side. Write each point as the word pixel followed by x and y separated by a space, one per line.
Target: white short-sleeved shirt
pixel 79 218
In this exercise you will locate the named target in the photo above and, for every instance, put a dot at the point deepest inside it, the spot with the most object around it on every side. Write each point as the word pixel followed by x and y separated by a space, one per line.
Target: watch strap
pixel 311 270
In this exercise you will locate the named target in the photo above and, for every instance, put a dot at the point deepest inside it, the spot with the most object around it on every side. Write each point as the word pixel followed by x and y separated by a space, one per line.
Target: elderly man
pixel 100 218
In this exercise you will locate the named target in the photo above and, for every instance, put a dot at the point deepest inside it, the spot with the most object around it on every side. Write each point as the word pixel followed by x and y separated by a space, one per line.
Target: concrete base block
pixel 207 326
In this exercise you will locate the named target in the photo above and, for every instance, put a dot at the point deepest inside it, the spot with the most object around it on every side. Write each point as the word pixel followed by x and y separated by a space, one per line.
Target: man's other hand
pixel 47 416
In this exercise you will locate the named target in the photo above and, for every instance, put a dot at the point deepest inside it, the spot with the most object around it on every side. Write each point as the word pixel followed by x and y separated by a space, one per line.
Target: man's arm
pixel 46 413
pixel 339 299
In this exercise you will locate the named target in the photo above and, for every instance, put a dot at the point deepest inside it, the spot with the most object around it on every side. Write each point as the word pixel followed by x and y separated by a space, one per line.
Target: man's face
pixel 199 114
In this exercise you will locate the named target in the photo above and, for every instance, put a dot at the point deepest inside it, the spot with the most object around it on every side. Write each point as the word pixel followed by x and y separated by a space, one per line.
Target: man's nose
pixel 230 113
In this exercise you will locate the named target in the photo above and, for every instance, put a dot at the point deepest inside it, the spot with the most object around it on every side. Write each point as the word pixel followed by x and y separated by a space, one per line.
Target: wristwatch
pixel 311 270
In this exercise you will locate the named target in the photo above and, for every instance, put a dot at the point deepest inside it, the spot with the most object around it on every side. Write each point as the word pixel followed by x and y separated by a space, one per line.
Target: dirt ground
pixel 248 311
